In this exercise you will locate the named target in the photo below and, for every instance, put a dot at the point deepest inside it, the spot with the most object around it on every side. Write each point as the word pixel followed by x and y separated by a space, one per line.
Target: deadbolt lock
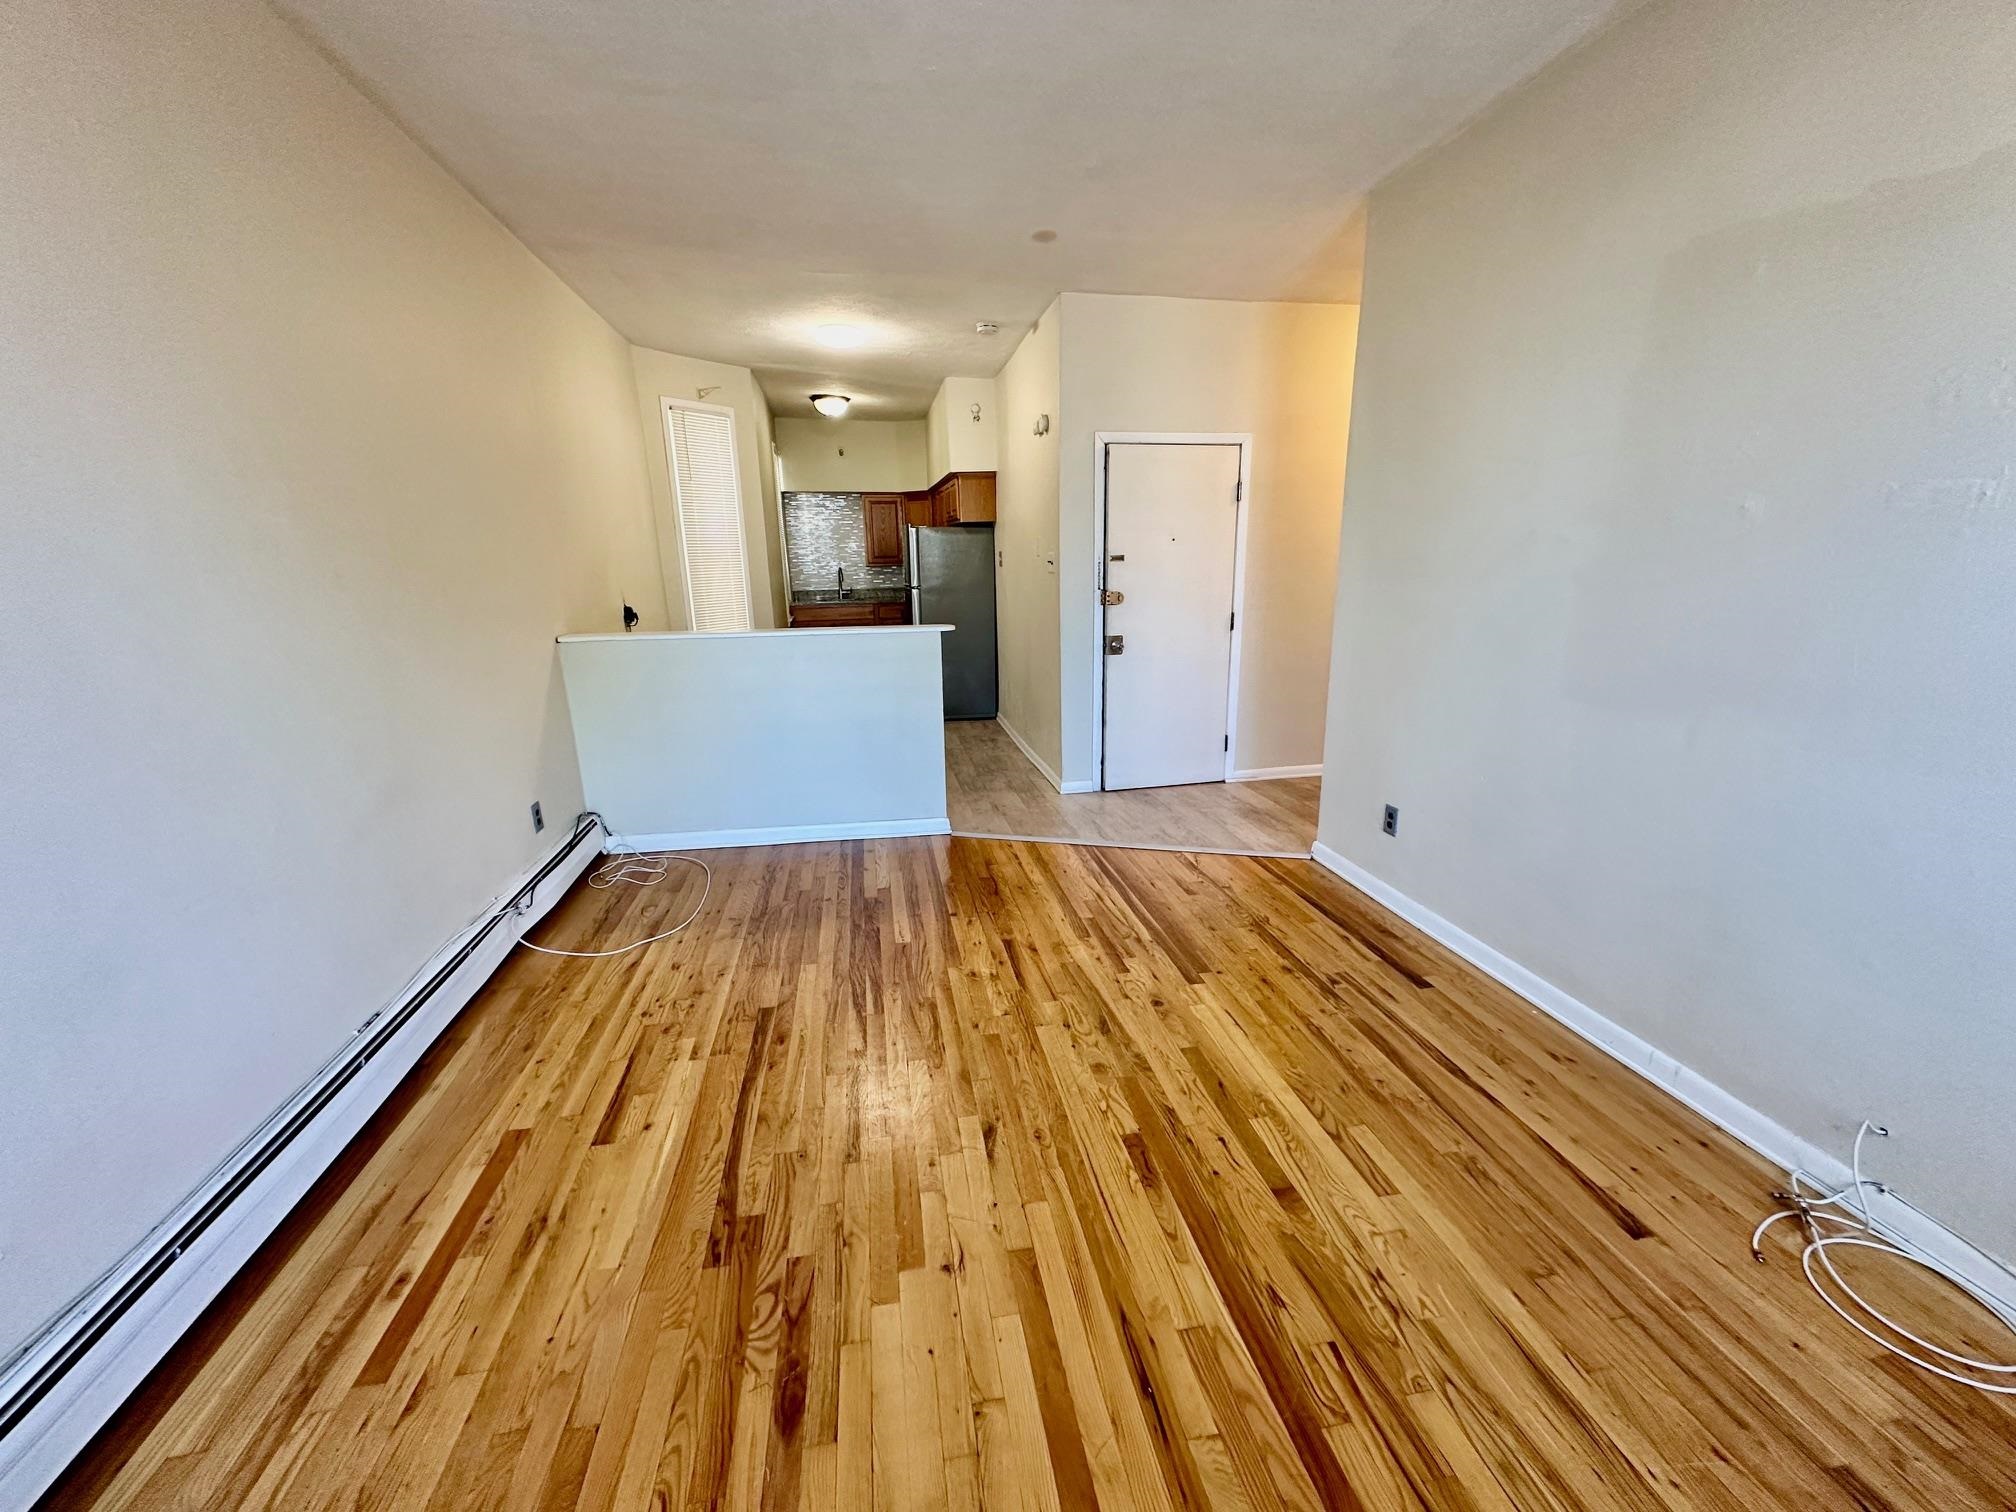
pixel 1112 596
pixel 1115 644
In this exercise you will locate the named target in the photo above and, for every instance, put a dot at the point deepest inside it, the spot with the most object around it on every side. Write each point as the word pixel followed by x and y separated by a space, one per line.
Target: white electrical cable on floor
pixel 635 869
pixel 1840 1218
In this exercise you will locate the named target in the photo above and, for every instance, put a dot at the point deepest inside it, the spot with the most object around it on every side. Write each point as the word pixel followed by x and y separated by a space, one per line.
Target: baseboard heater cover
pixel 49 1408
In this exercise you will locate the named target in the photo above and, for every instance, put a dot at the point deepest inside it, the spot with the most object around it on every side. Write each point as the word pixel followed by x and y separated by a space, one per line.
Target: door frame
pixel 1101 440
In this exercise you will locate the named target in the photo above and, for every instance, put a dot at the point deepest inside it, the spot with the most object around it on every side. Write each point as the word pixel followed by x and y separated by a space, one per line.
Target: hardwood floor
pixel 992 789
pixel 954 1173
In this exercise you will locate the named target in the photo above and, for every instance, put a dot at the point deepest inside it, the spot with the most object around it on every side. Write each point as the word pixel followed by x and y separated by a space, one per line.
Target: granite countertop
pixel 854 596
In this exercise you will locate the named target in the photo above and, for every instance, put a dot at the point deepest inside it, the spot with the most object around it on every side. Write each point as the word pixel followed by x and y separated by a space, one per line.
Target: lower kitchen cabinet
pixel 806 616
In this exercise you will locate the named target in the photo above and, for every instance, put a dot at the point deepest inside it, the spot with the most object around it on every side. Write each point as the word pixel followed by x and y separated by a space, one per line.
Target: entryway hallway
pixel 993 790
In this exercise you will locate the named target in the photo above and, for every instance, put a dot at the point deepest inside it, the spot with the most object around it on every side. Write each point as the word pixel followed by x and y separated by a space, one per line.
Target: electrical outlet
pixel 538 819
pixel 1392 821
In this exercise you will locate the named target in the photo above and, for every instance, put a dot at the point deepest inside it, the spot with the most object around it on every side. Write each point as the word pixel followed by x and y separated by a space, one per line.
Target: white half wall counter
pixel 762 737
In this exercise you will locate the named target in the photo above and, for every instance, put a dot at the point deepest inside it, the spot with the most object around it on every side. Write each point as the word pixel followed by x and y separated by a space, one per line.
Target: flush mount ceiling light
pixel 833 406
pixel 840 337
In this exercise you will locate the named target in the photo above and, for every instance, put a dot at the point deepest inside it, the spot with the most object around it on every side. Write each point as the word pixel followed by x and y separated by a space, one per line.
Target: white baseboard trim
pixel 1769 1138
pixel 85 1397
pixel 1049 772
pixel 788 834
pixel 1269 774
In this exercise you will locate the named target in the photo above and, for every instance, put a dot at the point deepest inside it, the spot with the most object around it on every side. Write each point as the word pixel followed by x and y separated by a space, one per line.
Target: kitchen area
pixel 911 557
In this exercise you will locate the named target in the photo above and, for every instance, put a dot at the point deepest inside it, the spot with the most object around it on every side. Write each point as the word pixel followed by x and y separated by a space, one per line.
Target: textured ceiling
pixel 718 179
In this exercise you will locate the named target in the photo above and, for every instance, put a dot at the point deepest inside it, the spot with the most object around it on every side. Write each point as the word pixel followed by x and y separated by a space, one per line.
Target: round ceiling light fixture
pixel 840 336
pixel 832 406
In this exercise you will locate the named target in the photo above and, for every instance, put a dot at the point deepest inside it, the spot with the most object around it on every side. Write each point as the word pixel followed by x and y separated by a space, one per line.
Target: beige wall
pixel 664 375
pixel 1025 541
pixel 1676 608
pixel 851 456
pixel 956 442
pixel 304 462
pixel 1281 372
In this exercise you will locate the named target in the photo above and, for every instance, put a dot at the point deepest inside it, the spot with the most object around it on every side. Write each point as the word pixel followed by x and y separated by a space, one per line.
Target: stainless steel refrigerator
pixel 951 570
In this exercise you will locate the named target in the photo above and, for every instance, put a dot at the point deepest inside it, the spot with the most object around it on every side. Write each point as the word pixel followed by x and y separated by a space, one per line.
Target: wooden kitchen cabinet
pixel 805 616
pixel 963 499
pixel 917 507
pixel 884 519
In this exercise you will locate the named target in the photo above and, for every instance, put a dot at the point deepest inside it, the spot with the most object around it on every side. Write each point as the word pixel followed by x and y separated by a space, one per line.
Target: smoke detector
pixel 985 328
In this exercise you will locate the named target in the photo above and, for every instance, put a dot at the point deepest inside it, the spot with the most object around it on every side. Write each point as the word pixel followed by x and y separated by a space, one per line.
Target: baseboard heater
pixel 42 1366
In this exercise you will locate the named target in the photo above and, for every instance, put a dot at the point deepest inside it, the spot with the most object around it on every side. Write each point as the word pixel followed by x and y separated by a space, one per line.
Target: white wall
pixel 1025 540
pixel 848 737
pixel 956 442
pixel 665 375
pixel 851 456
pixel 304 462
pixel 1676 609
pixel 1281 372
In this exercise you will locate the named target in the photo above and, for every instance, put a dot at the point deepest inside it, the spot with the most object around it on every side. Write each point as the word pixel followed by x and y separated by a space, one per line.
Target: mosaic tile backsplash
pixel 824 532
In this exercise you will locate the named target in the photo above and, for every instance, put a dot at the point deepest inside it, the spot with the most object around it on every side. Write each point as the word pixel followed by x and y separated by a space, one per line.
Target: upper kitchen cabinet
pixel 883 519
pixel 963 498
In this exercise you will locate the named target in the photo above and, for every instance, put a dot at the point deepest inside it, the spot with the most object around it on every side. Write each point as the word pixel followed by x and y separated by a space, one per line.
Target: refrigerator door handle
pixel 916 612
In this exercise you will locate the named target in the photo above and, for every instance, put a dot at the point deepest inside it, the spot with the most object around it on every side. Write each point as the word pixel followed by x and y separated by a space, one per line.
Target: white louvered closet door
pixel 701 445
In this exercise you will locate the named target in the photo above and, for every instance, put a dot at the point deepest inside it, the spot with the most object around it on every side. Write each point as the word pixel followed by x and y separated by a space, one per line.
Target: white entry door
pixel 1172 529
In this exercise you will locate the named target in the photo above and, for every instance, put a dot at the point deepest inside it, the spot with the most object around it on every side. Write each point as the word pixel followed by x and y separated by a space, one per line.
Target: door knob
pixel 1115 644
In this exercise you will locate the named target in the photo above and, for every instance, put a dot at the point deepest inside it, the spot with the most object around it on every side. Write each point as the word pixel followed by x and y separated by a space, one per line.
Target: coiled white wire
pixel 635 869
pixel 1840 1218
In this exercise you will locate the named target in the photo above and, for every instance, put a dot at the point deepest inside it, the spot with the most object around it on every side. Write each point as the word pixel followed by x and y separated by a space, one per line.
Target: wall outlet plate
pixel 1391 825
pixel 538 819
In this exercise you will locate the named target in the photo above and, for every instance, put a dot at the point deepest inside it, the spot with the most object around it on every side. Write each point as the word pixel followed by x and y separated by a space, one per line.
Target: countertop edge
pixel 797 633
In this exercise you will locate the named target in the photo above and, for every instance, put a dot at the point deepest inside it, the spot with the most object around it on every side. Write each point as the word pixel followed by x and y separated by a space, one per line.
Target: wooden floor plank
pixel 991 788
pixel 962 1173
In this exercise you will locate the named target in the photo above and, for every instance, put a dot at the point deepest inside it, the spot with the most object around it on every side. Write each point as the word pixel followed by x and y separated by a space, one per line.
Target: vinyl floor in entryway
pixel 954 1173
pixel 991 788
